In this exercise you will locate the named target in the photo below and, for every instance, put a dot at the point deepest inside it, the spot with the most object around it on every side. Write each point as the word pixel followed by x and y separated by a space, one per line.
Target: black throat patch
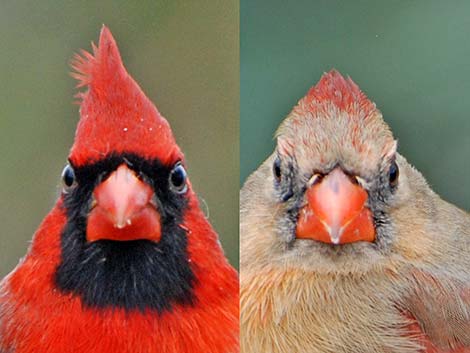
pixel 138 274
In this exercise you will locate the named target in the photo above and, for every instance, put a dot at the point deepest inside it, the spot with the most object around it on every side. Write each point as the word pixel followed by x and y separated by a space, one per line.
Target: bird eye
pixel 178 178
pixel 393 174
pixel 68 178
pixel 277 169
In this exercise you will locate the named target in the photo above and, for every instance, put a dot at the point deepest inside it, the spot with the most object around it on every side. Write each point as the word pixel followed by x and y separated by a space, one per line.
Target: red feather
pixel 428 346
pixel 37 317
pixel 334 89
pixel 114 111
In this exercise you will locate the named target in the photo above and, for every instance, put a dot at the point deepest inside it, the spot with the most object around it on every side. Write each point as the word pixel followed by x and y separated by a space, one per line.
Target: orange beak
pixel 336 212
pixel 123 209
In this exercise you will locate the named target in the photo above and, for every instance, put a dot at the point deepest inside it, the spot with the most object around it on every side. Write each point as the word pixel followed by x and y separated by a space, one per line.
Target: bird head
pixel 335 180
pixel 123 143
pixel 126 195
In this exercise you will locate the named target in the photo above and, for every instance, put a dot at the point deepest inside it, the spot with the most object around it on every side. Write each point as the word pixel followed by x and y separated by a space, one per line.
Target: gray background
pixel 185 56
pixel 410 57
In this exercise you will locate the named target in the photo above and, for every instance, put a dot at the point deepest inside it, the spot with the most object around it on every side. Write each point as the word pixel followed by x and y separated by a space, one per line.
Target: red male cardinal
pixel 345 248
pixel 125 262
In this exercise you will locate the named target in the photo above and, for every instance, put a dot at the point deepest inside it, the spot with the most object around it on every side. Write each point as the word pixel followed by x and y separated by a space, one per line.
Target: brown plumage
pixel 406 291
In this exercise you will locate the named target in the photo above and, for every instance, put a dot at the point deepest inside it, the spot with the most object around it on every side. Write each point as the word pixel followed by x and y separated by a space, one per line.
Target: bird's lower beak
pixel 123 209
pixel 336 211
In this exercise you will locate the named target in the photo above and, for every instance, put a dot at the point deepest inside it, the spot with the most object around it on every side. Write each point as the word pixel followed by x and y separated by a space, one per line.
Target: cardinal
pixel 344 246
pixel 126 261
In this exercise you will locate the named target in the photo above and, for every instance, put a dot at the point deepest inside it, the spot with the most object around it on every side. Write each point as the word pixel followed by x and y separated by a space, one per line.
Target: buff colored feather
pixel 406 293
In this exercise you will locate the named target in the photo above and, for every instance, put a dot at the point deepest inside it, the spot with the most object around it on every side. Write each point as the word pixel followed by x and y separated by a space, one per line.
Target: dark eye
pixel 393 174
pixel 68 178
pixel 277 169
pixel 178 179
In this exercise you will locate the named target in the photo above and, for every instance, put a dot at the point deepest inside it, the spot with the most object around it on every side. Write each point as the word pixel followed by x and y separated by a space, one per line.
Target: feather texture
pixel 115 114
pixel 406 292
pixel 51 304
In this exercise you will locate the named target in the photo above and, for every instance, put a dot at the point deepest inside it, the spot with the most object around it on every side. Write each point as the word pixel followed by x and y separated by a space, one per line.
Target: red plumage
pixel 334 89
pixel 114 112
pixel 36 316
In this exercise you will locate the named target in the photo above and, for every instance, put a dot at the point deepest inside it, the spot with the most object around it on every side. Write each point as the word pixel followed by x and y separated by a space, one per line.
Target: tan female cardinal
pixel 344 247
pixel 125 262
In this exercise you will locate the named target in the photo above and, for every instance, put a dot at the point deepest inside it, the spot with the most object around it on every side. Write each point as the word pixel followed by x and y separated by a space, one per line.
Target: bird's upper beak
pixel 123 209
pixel 336 211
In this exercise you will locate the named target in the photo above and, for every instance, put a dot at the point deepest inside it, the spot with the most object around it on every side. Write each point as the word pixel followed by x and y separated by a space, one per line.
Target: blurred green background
pixel 412 58
pixel 185 56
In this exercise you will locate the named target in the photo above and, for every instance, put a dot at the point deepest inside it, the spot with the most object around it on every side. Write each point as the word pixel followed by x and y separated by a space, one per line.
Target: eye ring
pixel 178 179
pixel 69 181
pixel 277 172
pixel 393 174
